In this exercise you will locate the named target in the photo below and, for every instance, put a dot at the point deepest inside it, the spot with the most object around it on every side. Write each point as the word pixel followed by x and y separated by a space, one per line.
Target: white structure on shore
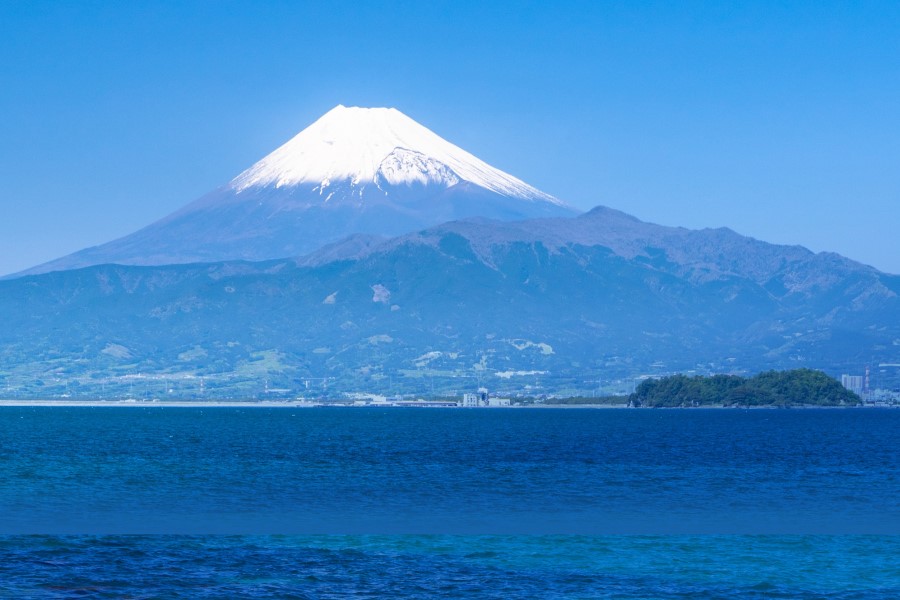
pixel 854 383
pixel 482 399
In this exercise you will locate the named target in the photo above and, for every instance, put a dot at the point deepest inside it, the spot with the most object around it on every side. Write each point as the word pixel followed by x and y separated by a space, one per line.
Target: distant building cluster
pixel 482 399
pixel 859 385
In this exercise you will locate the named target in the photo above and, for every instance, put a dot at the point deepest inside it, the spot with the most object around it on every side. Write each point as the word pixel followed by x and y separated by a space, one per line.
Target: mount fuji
pixel 356 170
pixel 349 257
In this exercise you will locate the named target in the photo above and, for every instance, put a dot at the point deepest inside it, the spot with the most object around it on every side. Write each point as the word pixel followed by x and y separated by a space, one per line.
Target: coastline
pixel 262 404
pixel 31 403
pixel 159 403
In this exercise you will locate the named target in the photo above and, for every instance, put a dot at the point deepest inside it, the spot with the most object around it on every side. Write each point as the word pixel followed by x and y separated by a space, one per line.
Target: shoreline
pixel 309 404
pixel 159 403
pixel 262 404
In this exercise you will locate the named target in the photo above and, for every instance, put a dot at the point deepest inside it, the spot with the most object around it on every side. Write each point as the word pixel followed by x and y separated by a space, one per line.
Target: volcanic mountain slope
pixel 355 170
pixel 546 303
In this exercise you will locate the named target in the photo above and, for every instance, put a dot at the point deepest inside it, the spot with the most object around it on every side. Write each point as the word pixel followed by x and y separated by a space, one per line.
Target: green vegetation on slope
pixel 799 387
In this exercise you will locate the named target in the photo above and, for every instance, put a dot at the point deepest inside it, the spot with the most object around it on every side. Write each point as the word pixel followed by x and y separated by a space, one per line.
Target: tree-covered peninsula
pixel 799 387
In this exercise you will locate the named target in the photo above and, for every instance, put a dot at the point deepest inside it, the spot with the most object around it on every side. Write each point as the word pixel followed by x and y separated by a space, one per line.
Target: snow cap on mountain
pixel 376 146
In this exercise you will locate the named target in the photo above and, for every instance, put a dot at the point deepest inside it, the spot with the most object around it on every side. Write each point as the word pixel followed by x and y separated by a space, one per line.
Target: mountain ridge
pixel 709 252
pixel 453 306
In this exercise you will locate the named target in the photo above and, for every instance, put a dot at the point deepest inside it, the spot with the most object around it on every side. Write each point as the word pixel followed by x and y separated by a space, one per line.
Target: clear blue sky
pixel 779 120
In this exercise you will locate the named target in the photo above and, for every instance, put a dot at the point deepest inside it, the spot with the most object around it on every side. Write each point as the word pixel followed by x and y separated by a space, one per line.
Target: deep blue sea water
pixel 418 503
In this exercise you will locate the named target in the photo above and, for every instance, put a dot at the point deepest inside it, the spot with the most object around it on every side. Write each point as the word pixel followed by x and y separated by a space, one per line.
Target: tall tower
pixel 866 384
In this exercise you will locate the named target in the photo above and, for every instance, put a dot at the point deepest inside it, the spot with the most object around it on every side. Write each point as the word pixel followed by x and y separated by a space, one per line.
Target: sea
pixel 326 502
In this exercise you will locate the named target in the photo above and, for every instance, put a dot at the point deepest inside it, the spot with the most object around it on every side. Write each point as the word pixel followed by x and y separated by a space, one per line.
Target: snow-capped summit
pixel 355 170
pixel 368 146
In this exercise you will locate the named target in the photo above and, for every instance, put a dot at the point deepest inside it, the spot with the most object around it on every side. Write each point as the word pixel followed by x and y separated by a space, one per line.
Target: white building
pixel 854 383
pixel 474 400
pixel 482 399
